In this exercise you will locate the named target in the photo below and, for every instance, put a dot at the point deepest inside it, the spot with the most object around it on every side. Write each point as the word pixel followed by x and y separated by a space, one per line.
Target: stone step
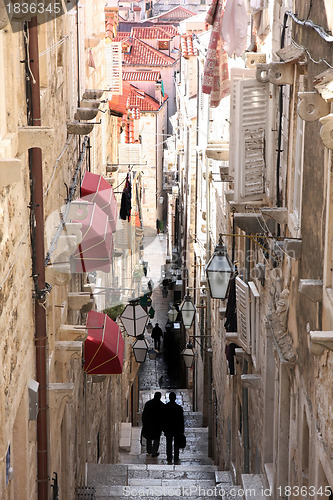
pixel 169 490
pixel 254 487
pixel 125 436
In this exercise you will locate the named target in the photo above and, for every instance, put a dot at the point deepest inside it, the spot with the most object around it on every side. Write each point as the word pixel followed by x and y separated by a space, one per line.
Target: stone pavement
pixel 141 476
pixel 138 475
pixel 156 374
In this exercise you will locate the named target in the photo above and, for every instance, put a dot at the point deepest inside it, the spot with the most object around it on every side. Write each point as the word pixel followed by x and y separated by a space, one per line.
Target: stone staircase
pixel 142 476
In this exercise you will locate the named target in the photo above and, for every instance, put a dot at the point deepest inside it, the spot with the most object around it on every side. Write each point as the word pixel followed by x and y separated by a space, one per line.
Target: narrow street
pixel 140 475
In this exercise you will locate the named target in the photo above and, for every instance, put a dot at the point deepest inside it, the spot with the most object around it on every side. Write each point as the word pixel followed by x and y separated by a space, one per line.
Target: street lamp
pixel 140 349
pixel 149 327
pixel 188 355
pixel 187 309
pixel 134 319
pixel 219 271
pixel 172 314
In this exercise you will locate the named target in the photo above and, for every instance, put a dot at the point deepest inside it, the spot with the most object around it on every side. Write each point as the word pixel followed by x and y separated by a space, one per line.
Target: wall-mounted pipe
pixel 38 268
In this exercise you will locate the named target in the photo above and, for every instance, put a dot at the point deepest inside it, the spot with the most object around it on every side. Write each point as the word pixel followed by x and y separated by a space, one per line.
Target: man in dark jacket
pixel 173 426
pixel 152 422
pixel 156 335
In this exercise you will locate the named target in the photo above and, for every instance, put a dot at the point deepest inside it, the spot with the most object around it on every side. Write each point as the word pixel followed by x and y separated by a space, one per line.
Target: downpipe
pixel 38 268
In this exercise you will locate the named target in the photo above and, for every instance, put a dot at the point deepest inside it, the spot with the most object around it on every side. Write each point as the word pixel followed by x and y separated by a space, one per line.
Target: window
pixel 250 138
pixel 163 45
pixel 113 59
pixel 298 171
pixel 243 313
pixel 254 322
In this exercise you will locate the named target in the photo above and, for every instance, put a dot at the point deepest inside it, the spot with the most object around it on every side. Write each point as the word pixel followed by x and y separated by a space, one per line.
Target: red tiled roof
pixel 153 33
pixel 121 35
pixel 131 98
pixel 141 76
pixel 169 28
pixel 142 54
pixel 176 14
pixel 186 45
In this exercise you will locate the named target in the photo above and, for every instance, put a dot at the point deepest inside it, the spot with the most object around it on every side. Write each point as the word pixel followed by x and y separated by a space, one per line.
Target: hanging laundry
pixel 216 73
pixel 256 5
pixel 234 27
pixel 126 200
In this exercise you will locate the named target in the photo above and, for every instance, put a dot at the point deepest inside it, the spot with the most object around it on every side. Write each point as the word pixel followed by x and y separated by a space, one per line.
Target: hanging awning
pixel 104 346
pixel 94 251
pixel 96 189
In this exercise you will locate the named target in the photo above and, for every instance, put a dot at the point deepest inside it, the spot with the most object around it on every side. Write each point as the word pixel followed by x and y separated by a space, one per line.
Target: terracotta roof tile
pixel 142 54
pixel 141 76
pixel 153 33
pixel 178 13
pixel 186 44
pixel 169 28
pixel 134 101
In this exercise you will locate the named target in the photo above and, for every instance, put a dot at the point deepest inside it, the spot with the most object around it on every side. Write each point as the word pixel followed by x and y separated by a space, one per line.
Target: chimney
pixel 137 13
pixel 158 91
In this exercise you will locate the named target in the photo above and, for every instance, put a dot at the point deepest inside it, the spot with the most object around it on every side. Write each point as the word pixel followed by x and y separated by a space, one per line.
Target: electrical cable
pixel 319 29
pixel 56 163
pixel 57 44
pixel 320 61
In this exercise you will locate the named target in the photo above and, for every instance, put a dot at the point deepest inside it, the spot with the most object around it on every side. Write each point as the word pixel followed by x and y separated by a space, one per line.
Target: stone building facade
pixel 267 190
pixel 81 412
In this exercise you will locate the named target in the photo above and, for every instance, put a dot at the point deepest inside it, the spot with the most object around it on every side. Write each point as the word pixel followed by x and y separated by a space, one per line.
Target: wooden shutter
pixel 130 154
pixel 252 100
pixel 243 314
pixel 236 75
pixel 255 322
pixel 113 61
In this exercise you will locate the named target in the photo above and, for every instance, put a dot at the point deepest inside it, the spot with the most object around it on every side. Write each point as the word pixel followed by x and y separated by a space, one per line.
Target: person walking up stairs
pixel 153 478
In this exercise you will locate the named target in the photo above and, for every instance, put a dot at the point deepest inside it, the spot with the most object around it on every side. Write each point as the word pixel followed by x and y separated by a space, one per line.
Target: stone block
pixel 10 171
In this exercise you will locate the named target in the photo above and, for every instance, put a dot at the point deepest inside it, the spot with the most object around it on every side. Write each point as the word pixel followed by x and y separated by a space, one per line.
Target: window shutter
pixel 255 322
pixel 113 60
pixel 236 75
pixel 130 154
pixel 249 137
pixel 243 313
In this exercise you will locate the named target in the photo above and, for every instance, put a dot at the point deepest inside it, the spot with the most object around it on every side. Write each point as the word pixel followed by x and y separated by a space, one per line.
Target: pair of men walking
pixel 158 417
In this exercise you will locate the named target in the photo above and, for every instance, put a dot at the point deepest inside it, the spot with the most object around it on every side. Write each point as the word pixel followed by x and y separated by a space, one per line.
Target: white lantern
pixel 187 310
pixel 140 349
pixel 134 319
pixel 188 355
pixel 219 271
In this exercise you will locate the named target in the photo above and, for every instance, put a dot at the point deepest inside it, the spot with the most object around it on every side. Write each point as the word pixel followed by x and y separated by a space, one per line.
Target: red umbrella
pixel 95 249
pixel 104 346
pixel 96 189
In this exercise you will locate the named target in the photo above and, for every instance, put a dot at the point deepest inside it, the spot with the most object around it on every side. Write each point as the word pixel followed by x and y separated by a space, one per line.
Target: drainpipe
pixel 208 358
pixel 38 269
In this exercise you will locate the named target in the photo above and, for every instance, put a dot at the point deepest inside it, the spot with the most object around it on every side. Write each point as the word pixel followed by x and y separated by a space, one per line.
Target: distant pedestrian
pixel 152 422
pixel 173 427
pixel 157 334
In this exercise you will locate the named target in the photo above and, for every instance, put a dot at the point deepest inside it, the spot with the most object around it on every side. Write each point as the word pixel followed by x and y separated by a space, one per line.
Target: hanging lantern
pixel 187 309
pixel 151 312
pixel 188 355
pixel 134 319
pixel 172 314
pixel 152 354
pixel 140 349
pixel 149 327
pixel 219 271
